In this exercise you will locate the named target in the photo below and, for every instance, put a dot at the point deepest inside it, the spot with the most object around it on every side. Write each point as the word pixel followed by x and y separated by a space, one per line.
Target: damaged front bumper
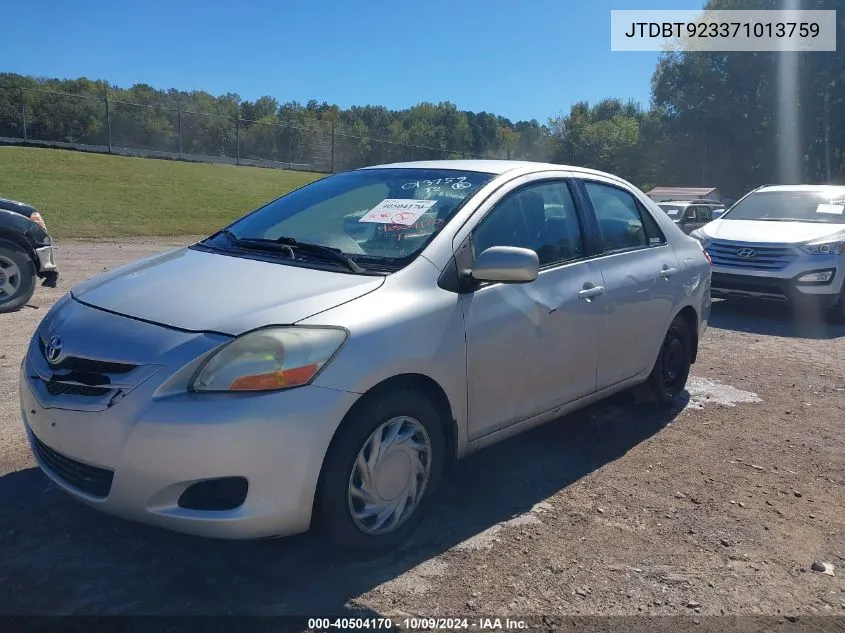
pixel 47 269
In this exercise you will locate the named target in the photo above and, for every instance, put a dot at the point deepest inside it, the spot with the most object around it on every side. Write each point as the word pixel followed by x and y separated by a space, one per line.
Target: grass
pixel 84 195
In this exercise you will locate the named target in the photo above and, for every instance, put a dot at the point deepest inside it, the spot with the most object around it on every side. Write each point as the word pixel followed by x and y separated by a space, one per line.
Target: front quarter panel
pixel 408 326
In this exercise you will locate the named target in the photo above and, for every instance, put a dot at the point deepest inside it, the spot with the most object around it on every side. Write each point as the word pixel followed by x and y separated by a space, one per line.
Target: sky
pixel 524 60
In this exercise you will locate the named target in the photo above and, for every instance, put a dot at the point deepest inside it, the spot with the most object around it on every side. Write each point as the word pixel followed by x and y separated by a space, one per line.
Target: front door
pixel 638 267
pixel 532 347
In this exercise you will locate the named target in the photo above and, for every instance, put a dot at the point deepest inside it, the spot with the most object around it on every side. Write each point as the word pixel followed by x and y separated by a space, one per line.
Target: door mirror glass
pixel 506 264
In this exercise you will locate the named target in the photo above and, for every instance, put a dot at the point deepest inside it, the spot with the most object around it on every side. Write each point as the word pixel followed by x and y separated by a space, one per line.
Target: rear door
pixel 638 267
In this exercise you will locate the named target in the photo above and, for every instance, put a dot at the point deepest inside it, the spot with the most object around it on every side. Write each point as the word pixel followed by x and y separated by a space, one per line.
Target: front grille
pixel 765 258
pixel 56 388
pixel 87 365
pixel 89 479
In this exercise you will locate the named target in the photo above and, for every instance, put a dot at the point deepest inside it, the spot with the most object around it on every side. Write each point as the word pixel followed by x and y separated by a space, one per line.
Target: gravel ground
pixel 720 507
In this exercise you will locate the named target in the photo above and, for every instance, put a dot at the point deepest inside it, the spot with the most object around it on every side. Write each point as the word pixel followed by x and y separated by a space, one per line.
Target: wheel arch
pixel 13 237
pixel 690 317
pixel 419 383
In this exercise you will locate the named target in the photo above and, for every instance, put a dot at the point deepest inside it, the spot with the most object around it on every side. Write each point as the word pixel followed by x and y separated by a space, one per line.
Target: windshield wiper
pixel 284 244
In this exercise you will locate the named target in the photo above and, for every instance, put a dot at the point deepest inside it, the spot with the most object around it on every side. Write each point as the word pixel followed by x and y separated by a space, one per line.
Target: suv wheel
pixel 17 277
pixel 837 312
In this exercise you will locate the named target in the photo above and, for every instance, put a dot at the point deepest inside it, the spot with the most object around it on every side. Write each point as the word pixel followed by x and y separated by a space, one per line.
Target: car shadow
pixel 772 319
pixel 60 557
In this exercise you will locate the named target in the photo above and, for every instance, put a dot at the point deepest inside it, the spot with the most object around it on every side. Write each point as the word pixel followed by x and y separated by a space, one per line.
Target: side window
pixel 705 214
pixel 689 214
pixel 623 224
pixel 541 217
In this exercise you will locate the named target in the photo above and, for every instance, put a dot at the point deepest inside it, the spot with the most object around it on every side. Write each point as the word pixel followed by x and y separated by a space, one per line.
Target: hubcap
pixel 390 474
pixel 10 278
pixel 673 359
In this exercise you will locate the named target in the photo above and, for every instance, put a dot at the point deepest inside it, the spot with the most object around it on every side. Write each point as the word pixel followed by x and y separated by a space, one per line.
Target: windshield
pixel 672 210
pixel 373 216
pixel 791 206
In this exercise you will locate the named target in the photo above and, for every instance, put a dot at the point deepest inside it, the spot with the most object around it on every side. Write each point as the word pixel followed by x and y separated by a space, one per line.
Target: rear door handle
pixel 592 291
pixel 668 272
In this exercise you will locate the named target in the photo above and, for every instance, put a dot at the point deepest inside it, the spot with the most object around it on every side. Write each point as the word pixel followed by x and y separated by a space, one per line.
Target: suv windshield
pixel 791 206
pixel 672 210
pixel 378 218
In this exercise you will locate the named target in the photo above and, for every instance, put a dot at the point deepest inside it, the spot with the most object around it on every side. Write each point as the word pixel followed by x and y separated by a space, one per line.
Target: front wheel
pixel 17 277
pixel 837 312
pixel 671 370
pixel 382 470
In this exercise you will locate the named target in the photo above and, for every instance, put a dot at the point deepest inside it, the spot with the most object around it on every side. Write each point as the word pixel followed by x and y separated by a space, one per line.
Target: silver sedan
pixel 323 358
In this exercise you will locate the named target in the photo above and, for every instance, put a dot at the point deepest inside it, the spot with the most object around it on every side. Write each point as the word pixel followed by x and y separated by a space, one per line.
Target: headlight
pixel 269 359
pixel 827 247
pixel 701 237
pixel 36 217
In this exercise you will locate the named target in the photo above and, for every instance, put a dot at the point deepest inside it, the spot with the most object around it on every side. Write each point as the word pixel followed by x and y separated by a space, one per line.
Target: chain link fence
pixel 55 119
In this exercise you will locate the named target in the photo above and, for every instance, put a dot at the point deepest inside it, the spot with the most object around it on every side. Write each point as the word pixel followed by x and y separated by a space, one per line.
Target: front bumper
pixel 47 269
pixel 776 289
pixel 136 457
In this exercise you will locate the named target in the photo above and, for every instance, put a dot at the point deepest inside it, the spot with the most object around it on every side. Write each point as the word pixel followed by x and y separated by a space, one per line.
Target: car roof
pixel 491 166
pixel 831 189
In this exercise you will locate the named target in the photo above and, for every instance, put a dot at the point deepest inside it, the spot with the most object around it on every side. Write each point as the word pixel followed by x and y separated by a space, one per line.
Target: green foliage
pixel 142 117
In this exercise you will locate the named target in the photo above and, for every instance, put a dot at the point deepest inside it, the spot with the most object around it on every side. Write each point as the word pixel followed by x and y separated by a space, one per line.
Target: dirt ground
pixel 720 507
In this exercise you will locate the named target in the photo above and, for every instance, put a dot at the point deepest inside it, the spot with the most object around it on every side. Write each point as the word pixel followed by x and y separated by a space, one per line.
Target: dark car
pixel 26 254
pixel 690 215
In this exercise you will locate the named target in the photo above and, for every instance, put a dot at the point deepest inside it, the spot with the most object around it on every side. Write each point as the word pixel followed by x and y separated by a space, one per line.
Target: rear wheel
pixel 382 470
pixel 17 277
pixel 671 370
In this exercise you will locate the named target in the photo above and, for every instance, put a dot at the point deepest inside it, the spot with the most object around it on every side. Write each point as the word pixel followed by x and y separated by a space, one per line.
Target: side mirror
pixel 506 264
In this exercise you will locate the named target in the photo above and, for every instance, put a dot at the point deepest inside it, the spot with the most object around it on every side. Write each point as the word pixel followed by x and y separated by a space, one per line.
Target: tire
pixel 671 369
pixel 837 313
pixel 17 277
pixel 342 470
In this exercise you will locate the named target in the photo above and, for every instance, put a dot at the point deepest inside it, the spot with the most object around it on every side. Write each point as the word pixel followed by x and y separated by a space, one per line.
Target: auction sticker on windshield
pixel 397 211
pixel 835 209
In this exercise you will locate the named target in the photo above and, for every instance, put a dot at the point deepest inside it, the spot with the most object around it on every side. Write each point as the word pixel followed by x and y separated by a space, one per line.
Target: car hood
pixel 200 291
pixel 770 232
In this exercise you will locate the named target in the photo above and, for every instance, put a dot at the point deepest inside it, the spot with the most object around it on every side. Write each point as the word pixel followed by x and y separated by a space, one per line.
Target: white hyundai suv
pixel 783 243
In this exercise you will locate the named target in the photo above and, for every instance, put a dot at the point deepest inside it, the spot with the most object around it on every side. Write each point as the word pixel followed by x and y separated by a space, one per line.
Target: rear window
pixel 673 211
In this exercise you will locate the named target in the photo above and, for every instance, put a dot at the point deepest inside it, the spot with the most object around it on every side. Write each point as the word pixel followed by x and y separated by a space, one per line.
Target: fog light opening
pixel 817 277
pixel 215 495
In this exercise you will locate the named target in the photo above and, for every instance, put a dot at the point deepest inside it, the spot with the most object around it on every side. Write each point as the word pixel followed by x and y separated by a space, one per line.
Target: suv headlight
pixel 701 237
pixel 36 217
pixel 825 246
pixel 269 359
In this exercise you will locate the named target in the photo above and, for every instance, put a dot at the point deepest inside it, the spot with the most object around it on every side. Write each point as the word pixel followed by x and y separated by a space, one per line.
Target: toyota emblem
pixel 746 252
pixel 54 349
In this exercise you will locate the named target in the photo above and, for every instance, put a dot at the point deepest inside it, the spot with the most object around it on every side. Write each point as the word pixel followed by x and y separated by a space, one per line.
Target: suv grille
pixel 764 257
pixel 89 479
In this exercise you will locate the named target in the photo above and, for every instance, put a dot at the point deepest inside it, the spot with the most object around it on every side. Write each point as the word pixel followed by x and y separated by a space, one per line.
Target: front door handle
pixel 667 272
pixel 590 292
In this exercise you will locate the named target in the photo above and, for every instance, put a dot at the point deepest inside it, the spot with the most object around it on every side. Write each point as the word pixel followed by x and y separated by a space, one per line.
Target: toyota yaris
pixel 327 355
